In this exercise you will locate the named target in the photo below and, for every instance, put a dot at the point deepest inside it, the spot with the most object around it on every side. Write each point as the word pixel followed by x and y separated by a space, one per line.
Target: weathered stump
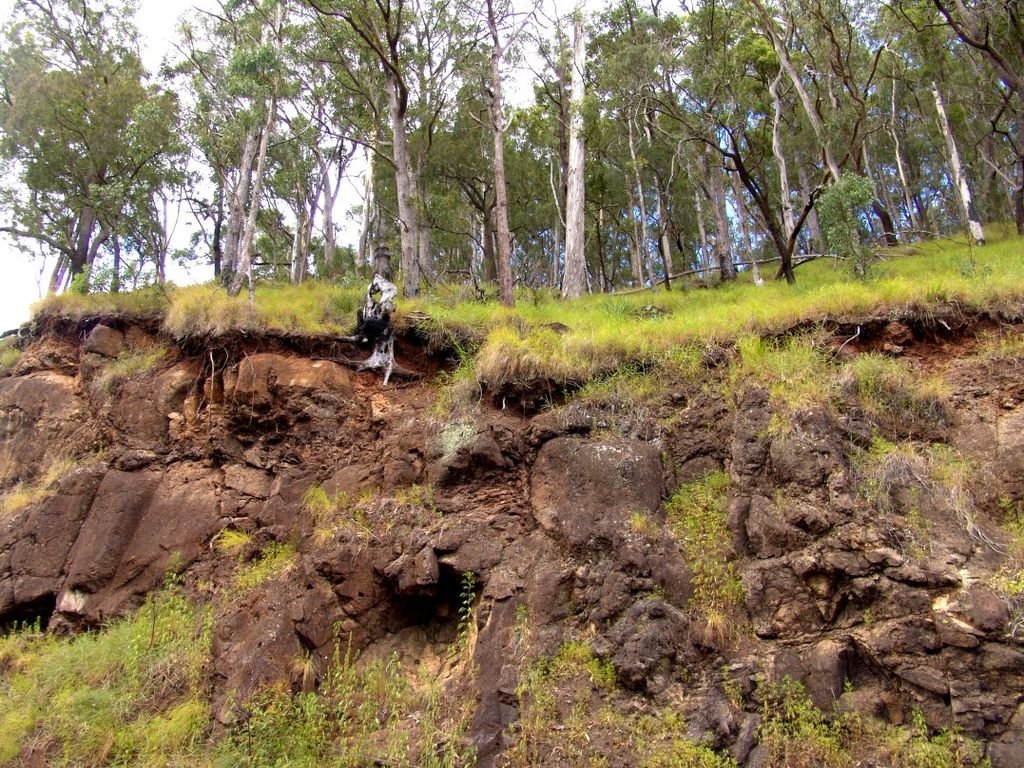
pixel 373 326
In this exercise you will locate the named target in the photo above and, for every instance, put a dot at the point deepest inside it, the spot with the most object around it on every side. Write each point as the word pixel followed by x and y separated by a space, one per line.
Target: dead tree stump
pixel 373 326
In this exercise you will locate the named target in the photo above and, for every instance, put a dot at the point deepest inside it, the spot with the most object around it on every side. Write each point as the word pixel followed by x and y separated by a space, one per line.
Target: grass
pixel 369 514
pixel 362 715
pixel 130 364
pixel 274 561
pixel 135 694
pixel 1005 345
pixel 898 400
pixel 796 734
pixel 570 715
pixel 131 694
pixel 43 486
pixel 570 344
pixel 9 356
pixel 908 479
pixel 231 542
pixel 696 516
pixel 795 371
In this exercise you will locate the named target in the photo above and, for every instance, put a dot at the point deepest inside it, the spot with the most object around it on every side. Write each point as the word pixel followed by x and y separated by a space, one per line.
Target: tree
pixel 85 137
pixel 574 284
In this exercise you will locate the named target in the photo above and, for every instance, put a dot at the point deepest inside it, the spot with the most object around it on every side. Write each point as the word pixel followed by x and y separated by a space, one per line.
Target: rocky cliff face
pixel 871 576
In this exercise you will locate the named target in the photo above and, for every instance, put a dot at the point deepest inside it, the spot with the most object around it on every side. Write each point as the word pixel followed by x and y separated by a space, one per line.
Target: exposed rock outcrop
pixel 382 510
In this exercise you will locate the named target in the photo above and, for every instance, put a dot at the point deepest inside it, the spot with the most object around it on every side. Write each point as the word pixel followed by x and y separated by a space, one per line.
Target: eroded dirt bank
pixel 877 586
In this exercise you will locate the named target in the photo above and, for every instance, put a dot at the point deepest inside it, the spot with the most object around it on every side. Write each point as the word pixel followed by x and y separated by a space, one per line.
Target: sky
pixel 25 279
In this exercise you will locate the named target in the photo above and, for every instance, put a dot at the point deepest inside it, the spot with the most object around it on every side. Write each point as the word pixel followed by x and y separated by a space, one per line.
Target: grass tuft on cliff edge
pixel 572 343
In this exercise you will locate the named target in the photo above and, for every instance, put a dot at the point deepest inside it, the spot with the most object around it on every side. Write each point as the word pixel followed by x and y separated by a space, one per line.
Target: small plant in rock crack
pixel 467 604
pixel 343 511
pixel 697 517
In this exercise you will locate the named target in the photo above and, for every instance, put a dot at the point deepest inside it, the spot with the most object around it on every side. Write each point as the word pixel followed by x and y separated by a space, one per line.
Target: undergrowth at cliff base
pixel 134 694
pixel 130 694
pixel 796 734
pixel 572 713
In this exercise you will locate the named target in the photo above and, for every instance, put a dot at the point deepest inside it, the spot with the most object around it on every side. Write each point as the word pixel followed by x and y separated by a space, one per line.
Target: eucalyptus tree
pixel 837 82
pixel 574 282
pixel 938 68
pixel 232 60
pixel 85 141
pixel 996 31
pixel 722 101
pixel 637 59
pixel 382 30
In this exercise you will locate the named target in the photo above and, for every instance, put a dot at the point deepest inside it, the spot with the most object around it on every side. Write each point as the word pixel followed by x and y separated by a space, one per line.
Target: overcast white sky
pixel 24 280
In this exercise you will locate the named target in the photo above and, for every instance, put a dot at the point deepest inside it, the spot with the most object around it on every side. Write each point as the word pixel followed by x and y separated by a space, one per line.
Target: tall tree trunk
pixel 505 290
pixel 574 283
pixel 423 246
pixel 723 237
pixel 59 274
pixel 82 242
pixel 294 271
pixel 217 249
pixel 606 280
pixel 330 195
pixel 812 217
pixel 236 211
pixel 664 238
pixel 244 268
pixel 742 216
pixel 644 242
pixel 785 195
pixel 490 263
pixel 369 206
pixel 704 259
pixel 956 170
pixel 1018 201
pixel 882 204
pixel 408 225
pixel 1018 193
pixel 908 199
pixel 115 277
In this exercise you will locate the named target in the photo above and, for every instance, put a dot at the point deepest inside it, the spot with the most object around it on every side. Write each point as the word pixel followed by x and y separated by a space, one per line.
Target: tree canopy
pixel 702 138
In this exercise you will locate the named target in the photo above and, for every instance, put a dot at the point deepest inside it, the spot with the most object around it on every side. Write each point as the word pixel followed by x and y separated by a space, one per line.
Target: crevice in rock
pixel 38 612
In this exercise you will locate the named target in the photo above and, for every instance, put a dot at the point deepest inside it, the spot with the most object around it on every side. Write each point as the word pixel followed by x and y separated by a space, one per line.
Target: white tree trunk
pixel 239 197
pixel 703 256
pixel 504 236
pixel 780 158
pixel 723 237
pixel 956 170
pixel 907 197
pixel 574 283
pixel 644 242
pixel 408 225
pixel 369 203
pixel 742 214
pixel 330 195
pixel 249 232
pixel 663 237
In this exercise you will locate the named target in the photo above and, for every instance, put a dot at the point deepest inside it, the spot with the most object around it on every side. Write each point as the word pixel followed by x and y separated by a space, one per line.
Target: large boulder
pixel 38 412
pixel 585 491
